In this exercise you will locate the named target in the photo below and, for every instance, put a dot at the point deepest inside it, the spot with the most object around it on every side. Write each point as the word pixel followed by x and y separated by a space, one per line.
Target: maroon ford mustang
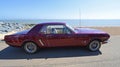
pixel 57 35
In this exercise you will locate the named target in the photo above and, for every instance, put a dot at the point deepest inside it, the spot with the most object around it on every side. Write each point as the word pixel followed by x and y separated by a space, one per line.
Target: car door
pixel 58 35
pixel 59 40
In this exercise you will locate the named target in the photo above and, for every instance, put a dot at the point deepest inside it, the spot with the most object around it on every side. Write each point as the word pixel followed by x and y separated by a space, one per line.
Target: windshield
pixel 70 27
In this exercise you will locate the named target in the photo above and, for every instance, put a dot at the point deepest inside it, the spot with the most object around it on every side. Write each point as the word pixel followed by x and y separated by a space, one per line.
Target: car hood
pixel 21 32
pixel 88 31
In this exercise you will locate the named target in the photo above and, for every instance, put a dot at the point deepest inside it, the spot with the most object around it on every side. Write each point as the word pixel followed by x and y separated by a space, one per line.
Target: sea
pixel 72 22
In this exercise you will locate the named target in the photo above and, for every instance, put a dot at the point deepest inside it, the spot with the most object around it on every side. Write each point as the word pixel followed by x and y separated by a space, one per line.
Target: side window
pixel 43 30
pixel 55 29
pixel 67 30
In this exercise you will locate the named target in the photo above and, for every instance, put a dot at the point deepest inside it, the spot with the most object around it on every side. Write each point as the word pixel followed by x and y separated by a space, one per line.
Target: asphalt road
pixel 108 56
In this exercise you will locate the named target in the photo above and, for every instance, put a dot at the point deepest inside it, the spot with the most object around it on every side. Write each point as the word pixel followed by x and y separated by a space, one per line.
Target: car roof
pixel 52 23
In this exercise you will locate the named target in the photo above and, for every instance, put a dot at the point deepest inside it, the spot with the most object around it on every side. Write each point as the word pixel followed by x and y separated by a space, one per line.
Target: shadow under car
pixel 18 53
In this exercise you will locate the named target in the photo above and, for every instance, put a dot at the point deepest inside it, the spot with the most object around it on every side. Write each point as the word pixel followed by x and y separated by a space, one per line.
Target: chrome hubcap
pixel 94 45
pixel 30 47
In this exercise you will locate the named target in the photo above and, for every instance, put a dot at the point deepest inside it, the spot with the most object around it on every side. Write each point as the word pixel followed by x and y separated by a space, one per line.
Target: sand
pixel 2 35
pixel 114 31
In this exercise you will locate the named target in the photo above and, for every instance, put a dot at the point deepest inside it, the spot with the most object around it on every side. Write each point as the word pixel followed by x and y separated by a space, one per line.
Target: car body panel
pixel 78 37
pixel 89 31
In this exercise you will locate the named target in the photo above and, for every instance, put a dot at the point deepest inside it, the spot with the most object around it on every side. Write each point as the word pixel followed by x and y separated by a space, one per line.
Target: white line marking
pixel 41 42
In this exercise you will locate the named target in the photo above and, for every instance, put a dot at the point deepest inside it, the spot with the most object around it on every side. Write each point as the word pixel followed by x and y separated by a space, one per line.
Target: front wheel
pixel 30 47
pixel 94 45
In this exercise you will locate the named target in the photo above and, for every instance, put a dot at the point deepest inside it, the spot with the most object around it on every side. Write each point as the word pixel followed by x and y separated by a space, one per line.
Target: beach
pixel 113 31
pixel 11 28
pixel 91 22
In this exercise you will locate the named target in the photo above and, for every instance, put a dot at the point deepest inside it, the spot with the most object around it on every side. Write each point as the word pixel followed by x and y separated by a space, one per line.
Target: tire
pixel 94 45
pixel 30 47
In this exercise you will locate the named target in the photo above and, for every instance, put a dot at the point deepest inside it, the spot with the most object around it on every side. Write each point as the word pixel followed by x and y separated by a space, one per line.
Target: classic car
pixel 57 34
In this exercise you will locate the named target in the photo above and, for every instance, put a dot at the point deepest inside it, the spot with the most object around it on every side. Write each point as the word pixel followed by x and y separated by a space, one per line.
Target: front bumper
pixel 104 42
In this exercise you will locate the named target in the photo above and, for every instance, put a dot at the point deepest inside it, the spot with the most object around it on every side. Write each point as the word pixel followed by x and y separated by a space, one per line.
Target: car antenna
pixel 79 18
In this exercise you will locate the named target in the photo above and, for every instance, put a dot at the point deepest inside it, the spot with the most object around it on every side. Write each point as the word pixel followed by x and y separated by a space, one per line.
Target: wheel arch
pixel 97 39
pixel 93 40
pixel 28 41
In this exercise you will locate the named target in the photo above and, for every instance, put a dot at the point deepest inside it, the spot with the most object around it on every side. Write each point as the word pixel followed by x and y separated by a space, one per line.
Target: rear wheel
pixel 94 45
pixel 30 47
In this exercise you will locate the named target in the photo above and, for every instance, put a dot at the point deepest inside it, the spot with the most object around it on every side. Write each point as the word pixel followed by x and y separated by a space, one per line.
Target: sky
pixel 59 9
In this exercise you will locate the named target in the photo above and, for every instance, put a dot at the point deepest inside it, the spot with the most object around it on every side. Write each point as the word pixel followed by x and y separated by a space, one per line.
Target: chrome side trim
pixel 41 42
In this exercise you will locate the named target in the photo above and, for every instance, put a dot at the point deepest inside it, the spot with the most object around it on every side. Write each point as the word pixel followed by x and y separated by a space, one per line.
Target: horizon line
pixel 59 19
